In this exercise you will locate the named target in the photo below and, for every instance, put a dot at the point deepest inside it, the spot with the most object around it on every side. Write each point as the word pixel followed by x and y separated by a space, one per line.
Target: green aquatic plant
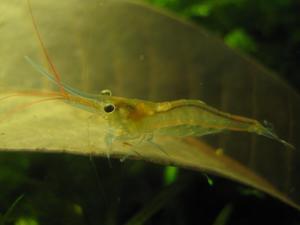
pixel 5 217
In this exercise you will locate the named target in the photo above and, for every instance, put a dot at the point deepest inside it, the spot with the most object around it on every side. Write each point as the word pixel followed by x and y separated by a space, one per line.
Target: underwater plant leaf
pixel 224 215
pixel 137 51
pixel 155 204
pixel 9 210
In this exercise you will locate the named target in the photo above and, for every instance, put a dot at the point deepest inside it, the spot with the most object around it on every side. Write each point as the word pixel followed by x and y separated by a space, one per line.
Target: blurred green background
pixel 64 189
pixel 267 30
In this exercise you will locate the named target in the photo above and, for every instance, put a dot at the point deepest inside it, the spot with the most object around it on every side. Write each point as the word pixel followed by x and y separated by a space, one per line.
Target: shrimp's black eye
pixel 109 108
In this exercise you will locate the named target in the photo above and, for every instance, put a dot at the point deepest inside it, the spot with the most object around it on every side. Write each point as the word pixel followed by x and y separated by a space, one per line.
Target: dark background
pixel 267 30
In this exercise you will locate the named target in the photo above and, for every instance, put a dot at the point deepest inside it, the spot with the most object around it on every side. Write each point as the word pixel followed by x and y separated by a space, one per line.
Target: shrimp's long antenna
pixel 25 106
pixel 31 94
pixel 45 52
pixel 66 87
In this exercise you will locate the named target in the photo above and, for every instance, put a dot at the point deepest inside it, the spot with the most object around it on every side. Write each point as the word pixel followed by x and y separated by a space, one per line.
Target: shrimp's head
pixel 126 111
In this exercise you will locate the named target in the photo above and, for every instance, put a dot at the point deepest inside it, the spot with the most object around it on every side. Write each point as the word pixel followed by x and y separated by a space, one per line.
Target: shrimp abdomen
pixel 195 118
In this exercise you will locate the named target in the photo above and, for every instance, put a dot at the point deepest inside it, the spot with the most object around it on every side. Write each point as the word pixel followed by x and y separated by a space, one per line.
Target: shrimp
pixel 132 119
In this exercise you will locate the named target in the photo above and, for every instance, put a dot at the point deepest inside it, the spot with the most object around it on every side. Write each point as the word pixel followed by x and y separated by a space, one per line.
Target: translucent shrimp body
pixel 133 118
pixel 179 118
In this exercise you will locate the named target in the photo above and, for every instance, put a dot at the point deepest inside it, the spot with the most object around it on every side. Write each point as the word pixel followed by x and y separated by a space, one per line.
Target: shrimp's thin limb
pixel 100 187
pixel 109 139
pixel 126 138
pixel 149 138
pixel 128 154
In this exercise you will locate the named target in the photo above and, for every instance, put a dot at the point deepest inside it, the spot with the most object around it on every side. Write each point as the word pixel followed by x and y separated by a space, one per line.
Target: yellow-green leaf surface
pixel 136 51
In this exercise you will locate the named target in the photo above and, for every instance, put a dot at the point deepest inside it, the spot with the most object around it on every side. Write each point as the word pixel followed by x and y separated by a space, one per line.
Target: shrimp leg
pixel 149 138
pixel 109 139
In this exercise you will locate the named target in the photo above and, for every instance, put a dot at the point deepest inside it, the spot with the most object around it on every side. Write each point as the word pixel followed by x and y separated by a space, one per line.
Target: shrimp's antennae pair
pixel 67 88
pixel 45 52
pixel 53 74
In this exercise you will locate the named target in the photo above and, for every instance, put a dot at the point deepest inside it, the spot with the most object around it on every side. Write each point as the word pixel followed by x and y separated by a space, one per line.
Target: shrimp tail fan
pixel 267 132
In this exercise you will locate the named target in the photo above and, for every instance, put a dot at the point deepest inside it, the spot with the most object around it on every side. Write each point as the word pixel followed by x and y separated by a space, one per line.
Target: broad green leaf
pixel 136 51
